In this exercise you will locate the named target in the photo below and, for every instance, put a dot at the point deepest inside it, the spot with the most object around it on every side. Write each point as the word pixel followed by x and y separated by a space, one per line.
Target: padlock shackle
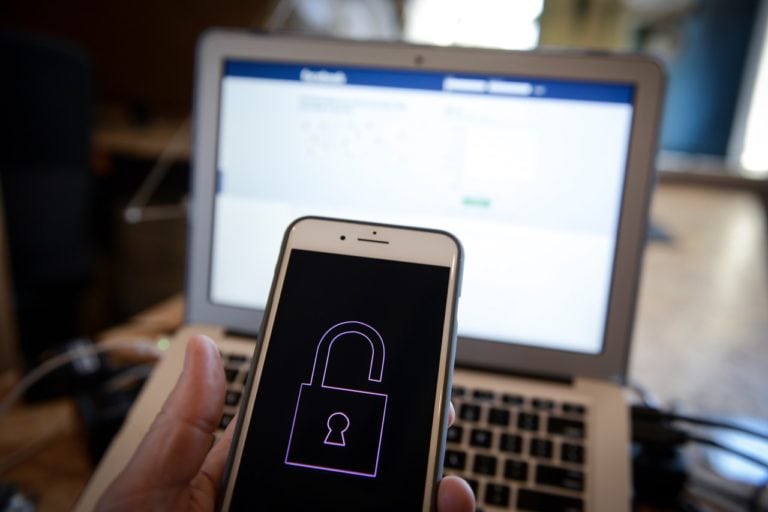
pixel 323 352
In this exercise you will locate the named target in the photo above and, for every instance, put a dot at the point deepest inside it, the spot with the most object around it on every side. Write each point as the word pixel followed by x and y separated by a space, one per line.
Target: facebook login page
pixel 527 173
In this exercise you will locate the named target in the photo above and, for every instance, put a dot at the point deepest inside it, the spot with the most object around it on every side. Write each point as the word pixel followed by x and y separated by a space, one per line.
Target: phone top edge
pixel 376 224
pixel 321 229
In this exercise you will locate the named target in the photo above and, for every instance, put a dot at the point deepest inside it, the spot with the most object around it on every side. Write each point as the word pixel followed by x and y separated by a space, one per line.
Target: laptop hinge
pixel 235 333
pixel 551 379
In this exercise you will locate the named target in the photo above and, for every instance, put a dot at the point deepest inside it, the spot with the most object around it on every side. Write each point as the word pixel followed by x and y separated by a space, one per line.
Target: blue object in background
pixel 704 81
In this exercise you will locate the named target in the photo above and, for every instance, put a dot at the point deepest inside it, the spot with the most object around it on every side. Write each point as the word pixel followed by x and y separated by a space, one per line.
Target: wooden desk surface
pixel 700 337
pixel 49 440
pixel 701 332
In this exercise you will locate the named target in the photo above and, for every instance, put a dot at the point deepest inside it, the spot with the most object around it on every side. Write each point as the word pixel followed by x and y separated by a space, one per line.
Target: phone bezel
pixel 372 240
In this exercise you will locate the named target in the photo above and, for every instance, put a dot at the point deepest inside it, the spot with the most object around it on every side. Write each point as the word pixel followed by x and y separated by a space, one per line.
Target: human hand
pixel 176 468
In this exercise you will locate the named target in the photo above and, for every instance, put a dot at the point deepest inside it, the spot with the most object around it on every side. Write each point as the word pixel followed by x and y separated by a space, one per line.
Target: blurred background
pixel 95 99
pixel 118 85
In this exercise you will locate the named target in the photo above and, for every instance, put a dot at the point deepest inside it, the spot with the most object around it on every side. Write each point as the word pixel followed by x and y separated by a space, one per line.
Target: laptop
pixel 540 162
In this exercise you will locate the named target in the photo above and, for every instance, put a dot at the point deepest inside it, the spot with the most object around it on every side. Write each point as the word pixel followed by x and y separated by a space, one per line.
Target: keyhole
pixel 337 423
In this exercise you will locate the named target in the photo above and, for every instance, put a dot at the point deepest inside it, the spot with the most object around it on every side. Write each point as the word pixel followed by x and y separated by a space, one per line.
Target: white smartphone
pixel 346 407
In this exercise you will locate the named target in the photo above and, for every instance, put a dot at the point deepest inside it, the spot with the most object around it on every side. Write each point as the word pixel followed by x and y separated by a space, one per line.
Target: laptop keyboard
pixel 519 452
pixel 236 368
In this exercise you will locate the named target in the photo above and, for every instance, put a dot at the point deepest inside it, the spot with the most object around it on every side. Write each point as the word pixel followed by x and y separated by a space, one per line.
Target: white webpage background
pixel 531 187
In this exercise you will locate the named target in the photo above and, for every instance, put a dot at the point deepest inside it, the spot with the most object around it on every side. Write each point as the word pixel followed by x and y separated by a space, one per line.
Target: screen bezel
pixel 644 74
pixel 384 242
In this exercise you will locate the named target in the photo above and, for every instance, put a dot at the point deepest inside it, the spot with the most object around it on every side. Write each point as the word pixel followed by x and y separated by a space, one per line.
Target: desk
pixel 56 467
pixel 701 332
pixel 700 336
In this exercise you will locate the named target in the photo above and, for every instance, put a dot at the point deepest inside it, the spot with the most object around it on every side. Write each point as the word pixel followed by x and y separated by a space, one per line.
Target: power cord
pixel 83 356
pixel 650 413
pixel 77 354
pixel 662 477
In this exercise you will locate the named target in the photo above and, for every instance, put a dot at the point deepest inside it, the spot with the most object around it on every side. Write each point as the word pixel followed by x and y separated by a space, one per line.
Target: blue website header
pixel 428 80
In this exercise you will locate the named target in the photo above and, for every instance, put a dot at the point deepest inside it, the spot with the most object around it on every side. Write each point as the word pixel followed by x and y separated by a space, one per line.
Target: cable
pixel 279 15
pixel 661 434
pixel 702 474
pixel 65 358
pixel 718 424
pixel 138 208
pixel 662 415
pixel 757 497
pixel 128 377
pixel 725 448
pixel 645 396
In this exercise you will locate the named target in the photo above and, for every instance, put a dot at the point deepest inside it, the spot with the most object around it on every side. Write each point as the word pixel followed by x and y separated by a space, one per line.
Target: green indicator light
pixel 163 343
pixel 482 202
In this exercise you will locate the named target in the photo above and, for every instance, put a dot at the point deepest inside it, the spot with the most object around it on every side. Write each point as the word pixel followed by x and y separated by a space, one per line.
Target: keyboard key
pixel 469 412
pixel 541 448
pixel 564 427
pixel 573 453
pixel 225 419
pixel 485 465
pixel 237 358
pixel 231 374
pixel 455 459
pixel 528 421
pixel 472 484
pixel 537 501
pixel 543 405
pixel 516 470
pixel 498 417
pixel 511 443
pixel 232 397
pixel 497 494
pixel 455 433
pixel 457 391
pixel 513 399
pixel 569 408
pixel 481 438
pixel 483 394
pixel 560 477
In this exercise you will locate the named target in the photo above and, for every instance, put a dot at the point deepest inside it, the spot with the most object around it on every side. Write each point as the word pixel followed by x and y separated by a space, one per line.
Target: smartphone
pixel 346 406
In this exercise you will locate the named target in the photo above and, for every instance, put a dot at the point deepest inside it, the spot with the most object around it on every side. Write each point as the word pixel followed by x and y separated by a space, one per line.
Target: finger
pixel 179 439
pixel 209 478
pixel 455 495
pixel 451 414
pixel 198 397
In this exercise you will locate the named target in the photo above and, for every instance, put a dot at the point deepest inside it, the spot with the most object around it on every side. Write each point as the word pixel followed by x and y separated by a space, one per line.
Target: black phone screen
pixel 343 413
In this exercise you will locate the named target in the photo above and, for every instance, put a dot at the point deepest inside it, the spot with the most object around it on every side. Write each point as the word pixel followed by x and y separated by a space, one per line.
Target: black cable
pixel 718 489
pixel 642 393
pixel 757 497
pixel 726 448
pixel 719 424
pixel 660 434
pixel 662 415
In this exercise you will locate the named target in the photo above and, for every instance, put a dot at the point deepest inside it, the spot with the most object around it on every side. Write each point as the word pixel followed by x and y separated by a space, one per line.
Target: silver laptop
pixel 541 163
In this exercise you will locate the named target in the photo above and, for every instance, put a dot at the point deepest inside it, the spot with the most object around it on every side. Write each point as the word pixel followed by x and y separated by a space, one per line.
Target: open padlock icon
pixel 334 428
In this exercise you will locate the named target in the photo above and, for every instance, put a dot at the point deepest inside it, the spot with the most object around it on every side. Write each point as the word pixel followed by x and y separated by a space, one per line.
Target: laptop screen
pixel 528 173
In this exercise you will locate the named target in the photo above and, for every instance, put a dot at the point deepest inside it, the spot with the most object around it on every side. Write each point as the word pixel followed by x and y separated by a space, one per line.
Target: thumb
pixel 455 495
pixel 179 439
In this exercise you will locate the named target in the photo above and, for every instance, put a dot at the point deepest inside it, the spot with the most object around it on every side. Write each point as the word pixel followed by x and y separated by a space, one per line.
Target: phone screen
pixel 343 413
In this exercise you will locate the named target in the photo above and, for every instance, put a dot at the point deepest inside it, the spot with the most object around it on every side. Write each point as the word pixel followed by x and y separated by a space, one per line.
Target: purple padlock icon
pixel 340 429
